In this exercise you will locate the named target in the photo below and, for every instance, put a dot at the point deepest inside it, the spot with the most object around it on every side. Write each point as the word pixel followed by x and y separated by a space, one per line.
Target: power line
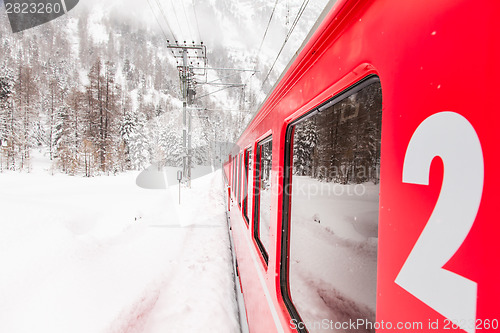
pixel 267 28
pixel 262 41
pixel 221 78
pixel 176 17
pixel 294 24
pixel 216 91
pixel 157 21
pixel 187 20
pixel 187 77
pixel 196 19
pixel 229 110
pixel 164 18
pixel 297 18
pixel 222 84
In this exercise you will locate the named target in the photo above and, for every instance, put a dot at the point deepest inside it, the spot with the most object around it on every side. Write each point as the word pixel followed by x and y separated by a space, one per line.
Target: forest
pixel 98 95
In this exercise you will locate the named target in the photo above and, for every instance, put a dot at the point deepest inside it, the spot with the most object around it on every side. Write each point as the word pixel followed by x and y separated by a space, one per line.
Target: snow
pixel 265 217
pixel 332 226
pixel 104 255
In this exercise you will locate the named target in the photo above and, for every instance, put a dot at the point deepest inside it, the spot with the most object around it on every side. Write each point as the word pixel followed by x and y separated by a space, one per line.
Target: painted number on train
pixel 451 137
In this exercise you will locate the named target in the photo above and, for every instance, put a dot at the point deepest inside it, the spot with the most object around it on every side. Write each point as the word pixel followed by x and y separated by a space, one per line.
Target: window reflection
pixel 263 196
pixel 248 188
pixel 334 211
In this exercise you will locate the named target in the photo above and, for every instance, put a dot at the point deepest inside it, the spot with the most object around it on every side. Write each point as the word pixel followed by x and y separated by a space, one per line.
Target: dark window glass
pixel 333 212
pixel 247 186
pixel 262 215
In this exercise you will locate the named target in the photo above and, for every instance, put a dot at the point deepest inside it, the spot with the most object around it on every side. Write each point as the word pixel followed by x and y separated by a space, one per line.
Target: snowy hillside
pixel 238 27
pixel 100 89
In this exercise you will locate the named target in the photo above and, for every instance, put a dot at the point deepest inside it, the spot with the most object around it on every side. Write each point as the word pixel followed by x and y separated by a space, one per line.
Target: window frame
pixel 233 180
pixel 256 200
pixel 246 183
pixel 239 170
pixel 287 184
pixel 230 173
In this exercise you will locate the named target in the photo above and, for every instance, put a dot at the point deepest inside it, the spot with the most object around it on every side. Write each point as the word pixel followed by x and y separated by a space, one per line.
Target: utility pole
pixel 192 63
pixel 187 73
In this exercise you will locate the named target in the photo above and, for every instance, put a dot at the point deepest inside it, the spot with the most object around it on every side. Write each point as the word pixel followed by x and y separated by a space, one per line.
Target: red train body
pixel 437 238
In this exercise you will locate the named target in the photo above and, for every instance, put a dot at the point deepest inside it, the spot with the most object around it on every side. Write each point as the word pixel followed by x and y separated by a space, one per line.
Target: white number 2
pixel 451 137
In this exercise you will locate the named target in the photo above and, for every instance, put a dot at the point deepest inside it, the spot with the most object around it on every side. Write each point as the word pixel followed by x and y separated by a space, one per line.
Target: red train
pixel 364 195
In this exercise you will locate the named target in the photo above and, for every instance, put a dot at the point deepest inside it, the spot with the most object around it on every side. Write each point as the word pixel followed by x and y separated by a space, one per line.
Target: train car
pixel 364 191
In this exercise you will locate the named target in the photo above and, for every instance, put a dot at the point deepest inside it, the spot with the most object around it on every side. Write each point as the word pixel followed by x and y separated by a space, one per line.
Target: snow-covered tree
pixel 304 148
pixel 7 81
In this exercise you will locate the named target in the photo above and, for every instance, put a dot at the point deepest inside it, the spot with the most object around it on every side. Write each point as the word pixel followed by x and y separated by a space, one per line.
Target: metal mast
pixel 187 71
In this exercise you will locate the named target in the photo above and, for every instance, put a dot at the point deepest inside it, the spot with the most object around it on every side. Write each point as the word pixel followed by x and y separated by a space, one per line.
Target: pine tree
pixel 26 112
pixel 138 145
pixel 305 142
pixel 7 92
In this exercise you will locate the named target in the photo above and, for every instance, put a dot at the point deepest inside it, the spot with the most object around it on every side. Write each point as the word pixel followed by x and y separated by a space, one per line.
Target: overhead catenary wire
pixel 262 42
pixel 162 12
pixel 176 17
pixel 211 109
pixel 297 18
pixel 196 19
pixel 157 21
pixel 187 20
pixel 221 78
pixel 216 91
pixel 160 7
pixel 294 24
pixel 267 28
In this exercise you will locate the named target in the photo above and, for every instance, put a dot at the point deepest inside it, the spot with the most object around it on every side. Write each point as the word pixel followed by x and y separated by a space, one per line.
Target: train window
pixel 331 209
pixel 229 169
pixel 232 174
pixel 247 185
pixel 233 180
pixel 262 206
pixel 239 179
pixel 236 178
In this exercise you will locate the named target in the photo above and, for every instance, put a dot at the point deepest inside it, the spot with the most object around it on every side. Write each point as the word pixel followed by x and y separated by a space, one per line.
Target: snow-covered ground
pixel 104 255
